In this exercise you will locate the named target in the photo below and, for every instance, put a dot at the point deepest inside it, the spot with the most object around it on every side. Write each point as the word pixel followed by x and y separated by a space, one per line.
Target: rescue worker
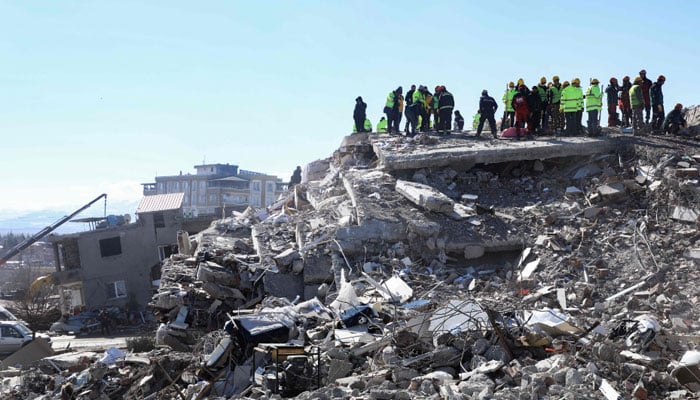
pixel 522 113
pixel 544 111
pixel 508 112
pixel 625 105
pixel 382 125
pixel 459 120
pixel 446 103
pixel 554 101
pixel 674 120
pixel 637 102
pixel 359 114
pixel 366 126
pixel 569 106
pixel 487 109
pixel 427 98
pixel 657 103
pixel 576 83
pixel 646 86
pixel 534 105
pixel 611 94
pixel 419 105
pixel 391 109
pixel 434 108
pixel 476 119
pixel 409 101
pixel 594 105
pixel 295 178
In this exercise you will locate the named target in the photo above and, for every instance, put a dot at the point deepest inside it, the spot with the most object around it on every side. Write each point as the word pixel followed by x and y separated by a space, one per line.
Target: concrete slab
pixel 466 152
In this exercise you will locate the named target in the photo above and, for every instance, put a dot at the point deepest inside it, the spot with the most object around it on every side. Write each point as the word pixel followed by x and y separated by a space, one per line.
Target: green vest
pixel 508 99
pixel 417 97
pixel 390 99
pixel 368 126
pixel 381 125
pixel 542 91
pixel 571 99
pixel 636 97
pixel 556 94
pixel 475 121
pixel 594 98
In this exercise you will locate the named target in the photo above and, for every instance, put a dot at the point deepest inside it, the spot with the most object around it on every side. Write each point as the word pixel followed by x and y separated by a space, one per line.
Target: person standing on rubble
pixel 554 100
pixel 105 321
pixel 522 113
pixel 296 177
pixel 637 102
pixel 509 112
pixel 674 120
pixel 534 105
pixel 459 120
pixel 657 103
pixel 446 103
pixel 391 109
pixel 428 109
pixel 569 106
pixel 487 109
pixel 612 98
pixel 542 91
pixel 578 90
pixel 594 105
pixel 625 104
pixel 360 114
pixel 409 101
pixel 646 87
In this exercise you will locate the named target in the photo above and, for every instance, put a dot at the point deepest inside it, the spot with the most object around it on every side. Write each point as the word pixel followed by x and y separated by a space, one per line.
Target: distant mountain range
pixel 31 222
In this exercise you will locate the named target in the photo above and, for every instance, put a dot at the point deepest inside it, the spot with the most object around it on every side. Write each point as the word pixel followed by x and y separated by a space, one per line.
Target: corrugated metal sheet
pixel 160 202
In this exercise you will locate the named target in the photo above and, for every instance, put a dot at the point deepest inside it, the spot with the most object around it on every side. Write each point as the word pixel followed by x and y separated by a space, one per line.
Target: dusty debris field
pixel 565 278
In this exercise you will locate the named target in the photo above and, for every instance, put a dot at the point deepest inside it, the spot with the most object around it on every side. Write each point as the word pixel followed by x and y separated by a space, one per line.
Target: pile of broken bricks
pixel 568 278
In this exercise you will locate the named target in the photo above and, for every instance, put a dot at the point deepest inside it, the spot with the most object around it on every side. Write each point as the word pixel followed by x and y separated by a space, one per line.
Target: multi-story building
pixel 115 263
pixel 216 189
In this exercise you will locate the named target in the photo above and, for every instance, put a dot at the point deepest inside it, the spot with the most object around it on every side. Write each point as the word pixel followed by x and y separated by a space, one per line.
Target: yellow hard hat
pixel 511 84
pixel 565 84
pixel 543 80
pixel 638 79
pixel 520 81
pixel 576 81
pixel 555 78
pixel 595 81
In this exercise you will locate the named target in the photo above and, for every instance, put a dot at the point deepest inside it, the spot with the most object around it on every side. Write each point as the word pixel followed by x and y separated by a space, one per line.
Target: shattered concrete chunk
pixel 425 196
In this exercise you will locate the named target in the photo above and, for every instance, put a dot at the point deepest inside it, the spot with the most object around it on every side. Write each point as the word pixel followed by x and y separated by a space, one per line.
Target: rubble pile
pixel 564 278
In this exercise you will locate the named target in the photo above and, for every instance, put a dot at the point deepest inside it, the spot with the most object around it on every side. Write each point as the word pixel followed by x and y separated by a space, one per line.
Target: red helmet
pixel 613 80
pixel 661 78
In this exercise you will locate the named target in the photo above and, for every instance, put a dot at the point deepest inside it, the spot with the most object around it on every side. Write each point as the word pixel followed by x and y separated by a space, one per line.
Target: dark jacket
pixel 487 105
pixel 446 100
pixel 611 92
pixel 360 109
pixel 534 102
pixel 657 95
pixel 409 97
pixel 675 117
pixel 646 85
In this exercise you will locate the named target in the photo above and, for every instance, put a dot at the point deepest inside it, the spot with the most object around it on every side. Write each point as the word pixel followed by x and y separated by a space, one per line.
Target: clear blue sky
pixel 100 96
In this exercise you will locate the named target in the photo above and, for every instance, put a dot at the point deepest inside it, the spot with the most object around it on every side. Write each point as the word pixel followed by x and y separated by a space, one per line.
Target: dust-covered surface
pixel 565 278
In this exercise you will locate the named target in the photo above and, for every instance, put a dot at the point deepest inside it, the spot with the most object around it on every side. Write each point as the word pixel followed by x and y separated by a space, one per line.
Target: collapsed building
pixel 440 268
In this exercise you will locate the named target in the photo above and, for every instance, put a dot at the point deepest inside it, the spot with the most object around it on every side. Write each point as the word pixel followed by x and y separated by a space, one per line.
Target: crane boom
pixel 33 239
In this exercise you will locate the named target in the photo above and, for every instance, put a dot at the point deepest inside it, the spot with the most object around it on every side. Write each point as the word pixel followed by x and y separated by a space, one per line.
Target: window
pixel 10 332
pixel 161 187
pixel 110 246
pixel 116 290
pixel 256 186
pixel 159 220
pixel 270 186
pixel 165 251
pixel 212 199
